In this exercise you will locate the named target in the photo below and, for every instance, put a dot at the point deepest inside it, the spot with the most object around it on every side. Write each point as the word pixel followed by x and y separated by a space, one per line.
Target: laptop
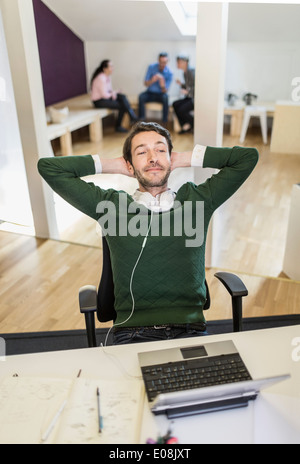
pixel 199 379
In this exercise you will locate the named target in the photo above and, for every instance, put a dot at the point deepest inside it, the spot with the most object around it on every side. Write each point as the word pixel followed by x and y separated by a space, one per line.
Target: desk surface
pixel 273 418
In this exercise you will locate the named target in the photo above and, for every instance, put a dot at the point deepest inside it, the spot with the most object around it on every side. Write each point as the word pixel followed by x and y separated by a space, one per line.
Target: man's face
pixel 151 163
pixel 181 64
pixel 163 61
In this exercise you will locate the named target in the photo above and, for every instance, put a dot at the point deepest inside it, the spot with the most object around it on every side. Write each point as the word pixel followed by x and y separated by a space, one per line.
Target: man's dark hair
pixel 163 55
pixel 145 127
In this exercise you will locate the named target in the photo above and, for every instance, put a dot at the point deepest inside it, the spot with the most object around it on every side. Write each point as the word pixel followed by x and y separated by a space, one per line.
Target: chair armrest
pixel 88 299
pixel 233 284
pixel 237 290
pixel 88 307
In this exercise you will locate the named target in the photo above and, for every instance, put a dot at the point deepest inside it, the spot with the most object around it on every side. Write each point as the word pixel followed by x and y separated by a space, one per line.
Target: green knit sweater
pixel 168 283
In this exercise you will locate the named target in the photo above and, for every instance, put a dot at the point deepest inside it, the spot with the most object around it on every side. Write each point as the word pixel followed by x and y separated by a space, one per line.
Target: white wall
pixel 263 68
pixel 131 59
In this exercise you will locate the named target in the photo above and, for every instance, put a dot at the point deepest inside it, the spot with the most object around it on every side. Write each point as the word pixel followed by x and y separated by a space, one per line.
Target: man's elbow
pixel 41 166
pixel 254 156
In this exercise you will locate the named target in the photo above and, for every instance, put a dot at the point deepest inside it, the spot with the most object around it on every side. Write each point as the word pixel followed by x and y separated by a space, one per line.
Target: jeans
pixel 152 97
pixel 145 334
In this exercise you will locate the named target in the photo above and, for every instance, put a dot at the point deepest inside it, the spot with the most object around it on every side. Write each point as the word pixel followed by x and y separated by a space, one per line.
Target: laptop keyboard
pixel 194 373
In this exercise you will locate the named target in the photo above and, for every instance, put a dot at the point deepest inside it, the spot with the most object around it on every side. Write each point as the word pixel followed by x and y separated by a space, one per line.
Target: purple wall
pixel 61 55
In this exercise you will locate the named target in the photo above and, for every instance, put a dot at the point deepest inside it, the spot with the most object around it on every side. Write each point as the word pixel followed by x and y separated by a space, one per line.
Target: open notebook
pixel 29 405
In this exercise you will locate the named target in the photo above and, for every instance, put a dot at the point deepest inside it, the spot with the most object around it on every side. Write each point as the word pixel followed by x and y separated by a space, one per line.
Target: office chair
pixel 101 302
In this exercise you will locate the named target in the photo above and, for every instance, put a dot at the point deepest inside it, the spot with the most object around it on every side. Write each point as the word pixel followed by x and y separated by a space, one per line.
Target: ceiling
pixel 102 20
pixel 97 20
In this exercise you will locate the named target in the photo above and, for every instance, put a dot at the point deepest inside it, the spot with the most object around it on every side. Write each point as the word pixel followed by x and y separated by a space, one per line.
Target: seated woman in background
pixel 103 95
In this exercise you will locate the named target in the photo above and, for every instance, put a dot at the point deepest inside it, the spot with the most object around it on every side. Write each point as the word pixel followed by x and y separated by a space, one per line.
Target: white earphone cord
pixel 131 281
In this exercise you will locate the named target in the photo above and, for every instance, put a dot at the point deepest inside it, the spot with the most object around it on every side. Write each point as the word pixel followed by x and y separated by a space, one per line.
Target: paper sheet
pixel 28 406
pixel 121 408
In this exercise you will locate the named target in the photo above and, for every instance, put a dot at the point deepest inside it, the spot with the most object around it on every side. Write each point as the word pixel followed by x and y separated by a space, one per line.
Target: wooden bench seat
pixel 81 113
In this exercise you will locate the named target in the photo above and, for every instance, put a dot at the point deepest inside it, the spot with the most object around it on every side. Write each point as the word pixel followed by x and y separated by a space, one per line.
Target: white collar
pixel 160 203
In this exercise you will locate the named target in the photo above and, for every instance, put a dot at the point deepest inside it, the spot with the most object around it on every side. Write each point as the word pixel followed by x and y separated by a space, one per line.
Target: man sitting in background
pixel 158 80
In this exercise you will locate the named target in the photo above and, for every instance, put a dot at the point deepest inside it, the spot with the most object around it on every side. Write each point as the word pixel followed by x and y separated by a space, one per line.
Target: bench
pixel 81 114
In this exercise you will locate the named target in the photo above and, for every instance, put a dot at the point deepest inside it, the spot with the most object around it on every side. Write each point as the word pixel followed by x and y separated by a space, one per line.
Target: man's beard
pixel 146 183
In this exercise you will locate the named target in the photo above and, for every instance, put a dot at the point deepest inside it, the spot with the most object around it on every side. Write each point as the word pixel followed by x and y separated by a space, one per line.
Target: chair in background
pixel 255 111
pixel 101 301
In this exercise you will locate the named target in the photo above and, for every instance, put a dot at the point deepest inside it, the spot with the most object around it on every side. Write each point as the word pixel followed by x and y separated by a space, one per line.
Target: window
pixel 185 16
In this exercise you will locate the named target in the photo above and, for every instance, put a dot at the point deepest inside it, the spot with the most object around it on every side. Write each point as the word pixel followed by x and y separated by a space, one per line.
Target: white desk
pixel 273 418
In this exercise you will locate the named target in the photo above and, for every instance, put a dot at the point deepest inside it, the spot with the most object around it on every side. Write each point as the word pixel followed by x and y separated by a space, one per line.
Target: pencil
pixel 100 418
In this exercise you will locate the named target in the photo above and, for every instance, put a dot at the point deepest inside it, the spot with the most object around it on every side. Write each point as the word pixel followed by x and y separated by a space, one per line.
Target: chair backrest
pixel 207 303
pixel 106 299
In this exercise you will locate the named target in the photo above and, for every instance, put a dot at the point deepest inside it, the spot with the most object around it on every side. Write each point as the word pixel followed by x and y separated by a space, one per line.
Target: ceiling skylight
pixel 185 16
pixel 190 9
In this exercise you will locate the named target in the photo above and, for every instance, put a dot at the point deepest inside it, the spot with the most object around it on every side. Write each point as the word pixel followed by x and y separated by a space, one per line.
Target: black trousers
pixel 147 334
pixel 183 110
pixel 121 104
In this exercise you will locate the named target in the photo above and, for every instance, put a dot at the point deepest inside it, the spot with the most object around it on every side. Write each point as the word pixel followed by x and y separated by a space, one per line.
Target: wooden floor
pixel 40 279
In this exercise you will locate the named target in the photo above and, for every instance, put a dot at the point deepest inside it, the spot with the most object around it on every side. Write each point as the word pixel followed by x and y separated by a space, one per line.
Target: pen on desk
pixel 100 418
pixel 53 423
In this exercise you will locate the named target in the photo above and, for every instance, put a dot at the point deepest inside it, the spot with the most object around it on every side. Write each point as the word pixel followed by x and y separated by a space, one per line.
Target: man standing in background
pixel 158 80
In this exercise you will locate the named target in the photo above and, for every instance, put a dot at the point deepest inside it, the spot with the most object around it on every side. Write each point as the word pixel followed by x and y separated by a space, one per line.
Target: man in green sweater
pixel 156 237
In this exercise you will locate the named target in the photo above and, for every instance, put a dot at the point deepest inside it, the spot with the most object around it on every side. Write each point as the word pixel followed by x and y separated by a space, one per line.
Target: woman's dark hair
pixel 100 69
pixel 145 127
